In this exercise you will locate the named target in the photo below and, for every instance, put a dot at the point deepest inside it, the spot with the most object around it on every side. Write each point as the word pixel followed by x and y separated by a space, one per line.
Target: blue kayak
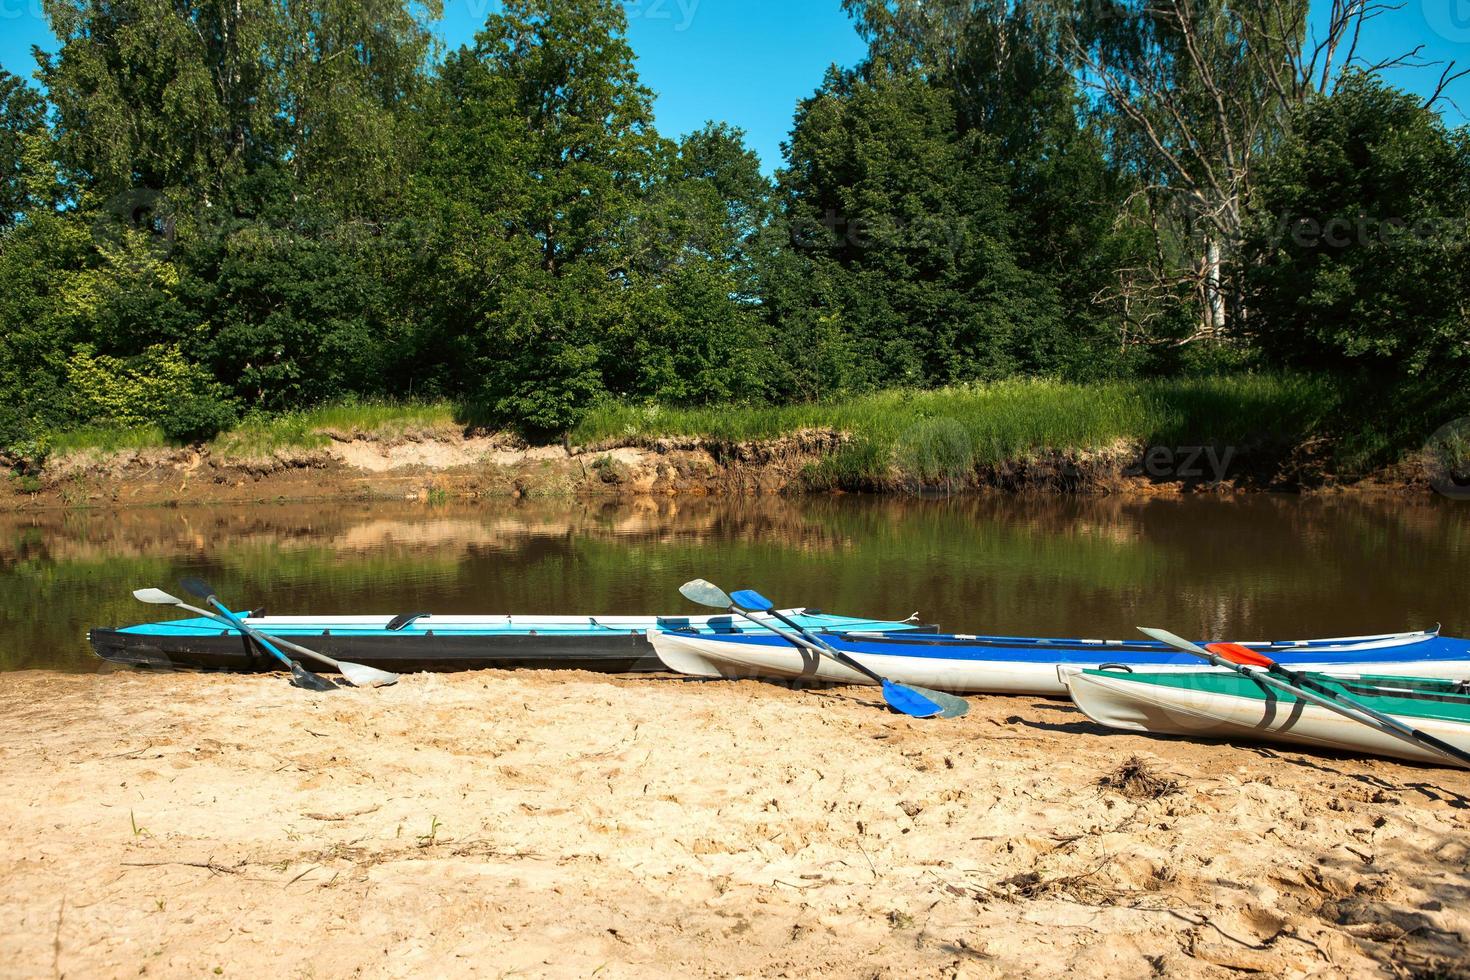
pixel 610 644
pixel 1017 665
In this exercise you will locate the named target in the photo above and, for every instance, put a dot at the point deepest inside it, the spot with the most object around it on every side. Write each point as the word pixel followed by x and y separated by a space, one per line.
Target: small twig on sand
pixel 207 865
pixel 301 875
pixel 130 753
pixel 864 853
pixel 56 941
pixel 334 817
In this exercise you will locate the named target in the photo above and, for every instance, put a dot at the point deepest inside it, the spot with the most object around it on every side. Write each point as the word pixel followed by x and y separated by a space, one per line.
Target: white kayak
pixel 962 663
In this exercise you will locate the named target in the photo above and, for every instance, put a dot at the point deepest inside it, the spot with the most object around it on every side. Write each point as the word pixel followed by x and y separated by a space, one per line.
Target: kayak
pixel 962 663
pixel 1227 705
pixel 610 644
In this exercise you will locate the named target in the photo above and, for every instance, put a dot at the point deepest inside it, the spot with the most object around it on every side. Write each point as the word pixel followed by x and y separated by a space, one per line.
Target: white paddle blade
pixel 361 675
pixel 1178 642
pixel 705 594
pixel 156 597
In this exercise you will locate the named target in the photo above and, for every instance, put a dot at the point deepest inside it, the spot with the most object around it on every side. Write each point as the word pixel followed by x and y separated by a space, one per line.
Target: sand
pixel 567 824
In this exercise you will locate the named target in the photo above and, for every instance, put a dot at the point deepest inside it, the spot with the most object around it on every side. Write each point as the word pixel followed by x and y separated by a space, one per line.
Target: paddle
pixel 355 674
pixel 905 700
pixel 1263 669
pixel 358 675
pixel 952 707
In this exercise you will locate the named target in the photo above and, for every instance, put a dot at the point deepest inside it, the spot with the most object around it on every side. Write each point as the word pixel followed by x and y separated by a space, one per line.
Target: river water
pixel 1251 567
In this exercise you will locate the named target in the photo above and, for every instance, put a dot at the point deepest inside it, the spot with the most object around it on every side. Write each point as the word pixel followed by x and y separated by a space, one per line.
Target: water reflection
pixel 1251 567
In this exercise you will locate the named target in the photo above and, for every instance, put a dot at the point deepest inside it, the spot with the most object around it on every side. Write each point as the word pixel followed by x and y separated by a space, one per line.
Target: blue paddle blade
pixel 909 702
pixel 751 599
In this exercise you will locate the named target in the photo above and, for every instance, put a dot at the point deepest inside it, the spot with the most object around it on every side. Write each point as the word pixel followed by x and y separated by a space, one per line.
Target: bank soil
pixel 564 824
pixel 429 465
pixel 444 463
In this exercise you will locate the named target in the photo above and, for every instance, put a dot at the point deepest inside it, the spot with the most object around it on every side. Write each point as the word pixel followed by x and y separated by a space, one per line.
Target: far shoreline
pixel 440 466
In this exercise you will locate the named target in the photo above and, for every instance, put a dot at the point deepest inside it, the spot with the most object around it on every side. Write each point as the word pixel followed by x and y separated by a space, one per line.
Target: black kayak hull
pixel 617 654
pixel 611 653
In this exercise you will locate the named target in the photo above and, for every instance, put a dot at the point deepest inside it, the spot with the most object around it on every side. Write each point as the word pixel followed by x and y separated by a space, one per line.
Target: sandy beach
pixel 566 824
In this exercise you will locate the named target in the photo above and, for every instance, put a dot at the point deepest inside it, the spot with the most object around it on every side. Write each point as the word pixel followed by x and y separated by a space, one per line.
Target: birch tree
pixel 1200 91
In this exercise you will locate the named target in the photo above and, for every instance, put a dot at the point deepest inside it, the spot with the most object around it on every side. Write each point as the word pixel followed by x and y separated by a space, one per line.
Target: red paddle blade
pixel 1237 654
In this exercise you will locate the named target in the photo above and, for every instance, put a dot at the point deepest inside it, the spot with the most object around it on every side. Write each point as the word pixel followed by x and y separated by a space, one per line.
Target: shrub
pixel 134 391
pixel 198 417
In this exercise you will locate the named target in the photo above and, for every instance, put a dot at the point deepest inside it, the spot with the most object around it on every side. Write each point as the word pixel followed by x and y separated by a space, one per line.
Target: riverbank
pixel 1256 432
pixel 564 823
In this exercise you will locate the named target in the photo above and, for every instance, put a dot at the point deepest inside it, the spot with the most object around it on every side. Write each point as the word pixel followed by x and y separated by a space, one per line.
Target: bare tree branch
pixel 1447 78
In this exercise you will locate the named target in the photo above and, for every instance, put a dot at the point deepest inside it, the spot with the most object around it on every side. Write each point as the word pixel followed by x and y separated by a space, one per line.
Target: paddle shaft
pixel 264 639
pixel 949 705
pixel 801 641
pixel 1307 684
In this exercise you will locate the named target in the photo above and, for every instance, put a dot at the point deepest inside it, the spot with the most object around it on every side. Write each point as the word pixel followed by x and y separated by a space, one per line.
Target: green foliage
pixel 296 209
pixel 299 310
pixel 578 255
pixel 184 99
pixel 198 417
pixel 130 392
pixel 22 124
pixel 1362 250
pixel 25 483
pixel 903 239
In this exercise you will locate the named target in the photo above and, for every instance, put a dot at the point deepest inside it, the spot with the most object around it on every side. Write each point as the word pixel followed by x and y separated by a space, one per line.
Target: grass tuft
pixel 1139 779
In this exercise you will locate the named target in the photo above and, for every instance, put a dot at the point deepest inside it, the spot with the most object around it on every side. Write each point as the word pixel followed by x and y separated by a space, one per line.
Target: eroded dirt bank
pixel 575 825
pixel 444 464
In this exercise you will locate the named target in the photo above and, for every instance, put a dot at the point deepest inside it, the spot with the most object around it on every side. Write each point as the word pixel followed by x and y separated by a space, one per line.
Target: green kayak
pixel 1210 704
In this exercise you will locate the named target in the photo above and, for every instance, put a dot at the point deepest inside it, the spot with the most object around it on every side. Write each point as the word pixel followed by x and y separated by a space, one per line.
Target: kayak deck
pixel 611 644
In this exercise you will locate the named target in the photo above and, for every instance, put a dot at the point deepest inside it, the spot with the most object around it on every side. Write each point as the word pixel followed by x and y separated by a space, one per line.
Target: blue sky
pixel 747 62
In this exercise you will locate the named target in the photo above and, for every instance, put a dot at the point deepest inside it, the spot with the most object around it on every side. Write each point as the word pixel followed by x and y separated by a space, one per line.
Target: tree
pixel 184 98
pixel 733 198
pixel 42 315
pixel 154 96
pixel 902 234
pixel 695 332
pixel 22 123
pixel 1360 258
pixel 543 142
pixel 298 309
pixel 1001 62
pixel 350 74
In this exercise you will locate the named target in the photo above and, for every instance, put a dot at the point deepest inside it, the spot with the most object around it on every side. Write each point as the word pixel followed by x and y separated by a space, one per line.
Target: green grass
pixel 380 418
pixel 312 428
pixel 259 434
pixel 1005 421
pixel 935 436
pixel 107 439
